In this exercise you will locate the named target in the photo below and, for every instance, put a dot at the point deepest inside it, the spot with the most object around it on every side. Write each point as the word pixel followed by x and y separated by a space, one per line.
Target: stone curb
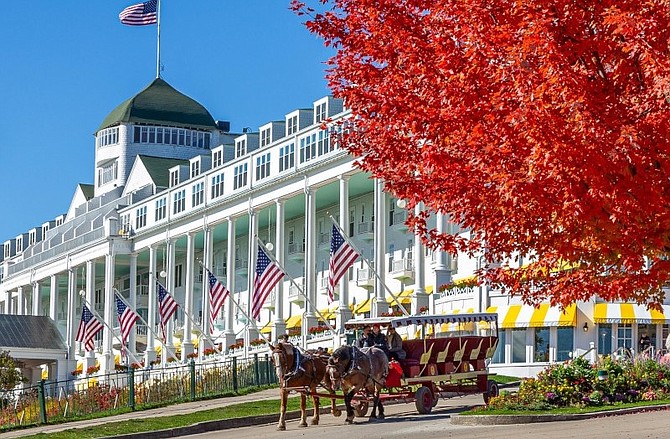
pixel 473 420
pixel 208 426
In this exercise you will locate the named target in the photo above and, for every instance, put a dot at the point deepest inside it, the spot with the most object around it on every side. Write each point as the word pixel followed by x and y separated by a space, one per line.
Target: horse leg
pixel 303 410
pixel 333 407
pixel 283 396
pixel 347 403
pixel 375 401
pixel 381 406
pixel 315 401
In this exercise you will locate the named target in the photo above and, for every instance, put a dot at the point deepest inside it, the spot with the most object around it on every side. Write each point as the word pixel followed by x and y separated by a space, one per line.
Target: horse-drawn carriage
pixel 449 357
pixel 446 356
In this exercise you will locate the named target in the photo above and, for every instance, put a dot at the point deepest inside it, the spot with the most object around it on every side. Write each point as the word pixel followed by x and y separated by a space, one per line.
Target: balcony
pixel 296 251
pixel 270 301
pixel 241 266
pixel 402 269
pixel 399 218
pixel 324 239
pixel 294 295
pixel 366 230
pixel 365 278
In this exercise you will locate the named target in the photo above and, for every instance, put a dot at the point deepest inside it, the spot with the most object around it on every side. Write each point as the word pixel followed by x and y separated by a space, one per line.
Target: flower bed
pixel 578 383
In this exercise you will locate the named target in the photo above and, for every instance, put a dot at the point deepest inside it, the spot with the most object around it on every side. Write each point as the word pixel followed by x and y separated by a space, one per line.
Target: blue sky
pixel 65 65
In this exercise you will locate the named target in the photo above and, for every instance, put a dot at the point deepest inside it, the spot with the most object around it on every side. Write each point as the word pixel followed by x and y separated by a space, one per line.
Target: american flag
pixel 127 318
pixel 342 255
pixel 166 308
pixel 268 274
pixel 140 14
pixel 217 295
pixel 88 327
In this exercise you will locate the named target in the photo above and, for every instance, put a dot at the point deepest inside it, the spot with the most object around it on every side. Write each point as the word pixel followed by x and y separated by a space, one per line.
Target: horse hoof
pixel 315 422
pixel 337 413
pixel 349 421
pixel 303 424
pixel 281 428
pixel 381 416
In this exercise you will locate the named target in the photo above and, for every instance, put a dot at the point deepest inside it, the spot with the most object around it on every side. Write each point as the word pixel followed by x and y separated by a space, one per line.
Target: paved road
pixel 404 422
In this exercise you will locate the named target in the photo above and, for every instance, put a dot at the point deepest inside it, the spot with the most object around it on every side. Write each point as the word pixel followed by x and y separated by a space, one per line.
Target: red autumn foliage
pixel 540 127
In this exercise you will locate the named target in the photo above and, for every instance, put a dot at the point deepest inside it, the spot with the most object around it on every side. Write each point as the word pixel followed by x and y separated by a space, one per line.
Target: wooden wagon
pixel 448 358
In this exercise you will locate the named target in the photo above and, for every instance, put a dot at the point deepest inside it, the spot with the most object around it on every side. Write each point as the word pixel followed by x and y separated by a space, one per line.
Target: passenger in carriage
pixel 394 341
pixel 365 340
pixel 379 339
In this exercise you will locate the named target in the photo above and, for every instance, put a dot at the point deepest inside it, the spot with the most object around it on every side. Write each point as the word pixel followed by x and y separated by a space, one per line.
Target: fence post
pixel 235 374
pixel 267 369
pixel 257 378
pixel 192 367
pixel 43 404
pixel 131 388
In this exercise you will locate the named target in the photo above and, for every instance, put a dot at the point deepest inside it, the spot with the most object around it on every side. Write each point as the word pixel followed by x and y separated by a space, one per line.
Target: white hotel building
pixel 175 190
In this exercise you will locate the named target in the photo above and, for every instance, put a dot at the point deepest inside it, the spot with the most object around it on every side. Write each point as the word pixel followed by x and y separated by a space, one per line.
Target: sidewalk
pixel 172 410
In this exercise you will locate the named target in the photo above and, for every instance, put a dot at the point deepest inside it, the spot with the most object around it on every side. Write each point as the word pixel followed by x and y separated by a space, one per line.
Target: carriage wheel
pixel 360 408
pixel 423 399
pixel 491 392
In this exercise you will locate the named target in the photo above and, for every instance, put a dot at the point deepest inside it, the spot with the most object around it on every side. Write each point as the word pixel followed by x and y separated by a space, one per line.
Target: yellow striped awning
pixel 404 297
pixel 267 329
pixel 452 327
pixel 629 313
pixel 527 316
pixel 363 307
pixel 294 321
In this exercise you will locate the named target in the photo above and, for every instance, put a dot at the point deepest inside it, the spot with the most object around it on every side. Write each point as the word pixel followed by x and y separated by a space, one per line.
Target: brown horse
pixel 306 377
pixel 359 369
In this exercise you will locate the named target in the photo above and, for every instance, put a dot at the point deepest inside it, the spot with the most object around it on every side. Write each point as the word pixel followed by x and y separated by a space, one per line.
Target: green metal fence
pixel 104 395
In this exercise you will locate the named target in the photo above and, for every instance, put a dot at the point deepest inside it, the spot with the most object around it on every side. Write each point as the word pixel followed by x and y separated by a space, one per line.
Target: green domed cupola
pixel 160 104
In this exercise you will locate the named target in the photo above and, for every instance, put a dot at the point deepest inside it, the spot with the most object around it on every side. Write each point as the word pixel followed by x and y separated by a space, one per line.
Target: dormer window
pixel 108 173
pixel 265 137
pixel 19 244
pixel 217 158
pixel 195 169
pixel 292 125
pixel 320 113
pixel 174 178
pixel 32 237
pixel 8 250
pixel 240 147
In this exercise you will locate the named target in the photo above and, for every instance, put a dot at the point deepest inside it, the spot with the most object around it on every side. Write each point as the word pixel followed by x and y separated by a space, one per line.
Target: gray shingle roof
pixel 32 332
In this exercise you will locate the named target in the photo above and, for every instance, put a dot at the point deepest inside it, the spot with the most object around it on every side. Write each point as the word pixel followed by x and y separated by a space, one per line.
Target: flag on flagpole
pixel 166 308
pixel 140 14
pixel 88 327
pixel 217 295
pixel 342 256
pixel 268 274
pixel 127 318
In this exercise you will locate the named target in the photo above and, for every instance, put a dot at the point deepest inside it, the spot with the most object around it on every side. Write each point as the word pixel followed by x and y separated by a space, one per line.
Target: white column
pixel 53 298
pixel 8 302
pixel 132 348
pixel 379 304
pixel 107 363
pixel 150 352
pixel 187 344
pixel 253 245
pixel 419 297
pixel 229 334
pixel 207 258
pixel 90 298
pixel 169 284
pixel 310 261
pixel 279 327
pixel 71 312
pixel 443 263
pixel 343 311
pixel 21 301
pixel 36 299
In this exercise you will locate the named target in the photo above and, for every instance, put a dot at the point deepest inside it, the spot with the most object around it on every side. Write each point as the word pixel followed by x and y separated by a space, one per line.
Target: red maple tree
pixel 539 127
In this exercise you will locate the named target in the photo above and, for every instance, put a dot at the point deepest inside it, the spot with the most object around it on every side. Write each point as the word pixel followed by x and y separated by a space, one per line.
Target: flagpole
pixel 111 330
pixel 344 235
pixel 174 354
pixel 158 39
pixel 246 316
pixel 295 284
